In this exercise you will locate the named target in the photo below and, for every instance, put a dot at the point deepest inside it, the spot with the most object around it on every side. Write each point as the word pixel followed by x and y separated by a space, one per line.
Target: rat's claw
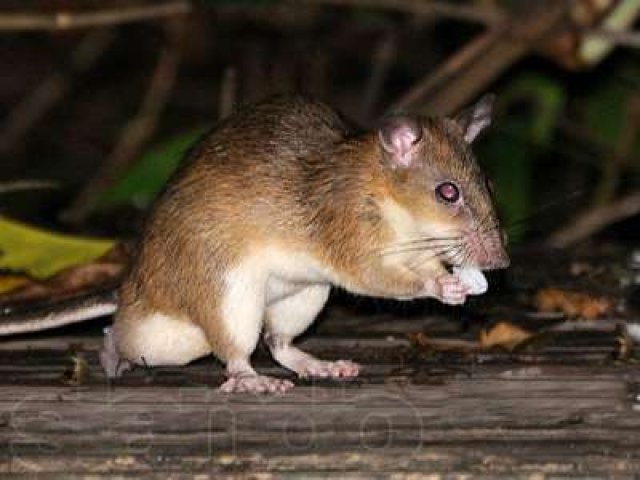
pixel 255 384
pixel 345 368
pixel 452 290
pixel 324 369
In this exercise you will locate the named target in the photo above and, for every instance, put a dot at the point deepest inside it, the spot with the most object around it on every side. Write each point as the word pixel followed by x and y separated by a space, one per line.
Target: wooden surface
pixel 564 408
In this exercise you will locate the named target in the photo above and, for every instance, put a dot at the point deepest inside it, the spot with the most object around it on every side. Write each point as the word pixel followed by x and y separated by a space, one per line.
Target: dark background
pixel 84 106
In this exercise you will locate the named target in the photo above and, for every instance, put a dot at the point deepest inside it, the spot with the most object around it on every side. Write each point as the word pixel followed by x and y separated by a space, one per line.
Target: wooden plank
pixel 520 421
pixel 559 408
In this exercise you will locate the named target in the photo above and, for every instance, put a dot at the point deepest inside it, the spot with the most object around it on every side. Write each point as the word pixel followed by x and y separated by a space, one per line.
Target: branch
pixel 595 220
pixel 455 64
pixel 453 10
pixel 228 92
pixel 21 185
pixel 382 60
pixel 138 130
pixel 12 22
pixel 469 70
pixel 619 37
pixel 53 88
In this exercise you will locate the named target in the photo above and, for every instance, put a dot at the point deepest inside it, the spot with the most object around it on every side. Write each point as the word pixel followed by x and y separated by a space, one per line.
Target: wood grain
pixel 563 408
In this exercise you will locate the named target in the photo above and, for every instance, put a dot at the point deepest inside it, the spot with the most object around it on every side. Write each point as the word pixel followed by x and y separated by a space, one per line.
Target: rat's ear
pixel 400 137
pixel 476 118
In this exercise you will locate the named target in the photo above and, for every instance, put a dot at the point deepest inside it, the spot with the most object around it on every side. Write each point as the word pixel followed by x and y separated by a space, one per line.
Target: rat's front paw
pixel 451 290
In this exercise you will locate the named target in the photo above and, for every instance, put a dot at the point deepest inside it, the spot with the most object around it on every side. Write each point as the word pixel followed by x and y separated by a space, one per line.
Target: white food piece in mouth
pixel 633 330
pixel 472 278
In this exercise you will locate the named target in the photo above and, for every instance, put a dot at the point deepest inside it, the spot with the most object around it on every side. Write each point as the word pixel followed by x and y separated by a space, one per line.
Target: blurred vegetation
pixel 139 185
pixel 565 137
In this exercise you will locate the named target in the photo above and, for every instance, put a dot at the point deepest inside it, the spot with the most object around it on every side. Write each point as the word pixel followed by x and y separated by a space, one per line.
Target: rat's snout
pixel 500 260
pixel 487 251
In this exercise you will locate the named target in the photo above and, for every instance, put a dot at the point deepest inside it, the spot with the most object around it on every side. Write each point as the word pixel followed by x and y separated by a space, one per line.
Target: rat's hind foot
pixel 112 364
pixel 306 365
pixel 314 367
pixel 243 378
pixel 255 384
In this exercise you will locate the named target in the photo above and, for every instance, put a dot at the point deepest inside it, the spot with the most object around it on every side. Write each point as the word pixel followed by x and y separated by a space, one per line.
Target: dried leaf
pixel 106 271
pixel 12 281
pixel 572 304
pixel 427 344
pixel 503 334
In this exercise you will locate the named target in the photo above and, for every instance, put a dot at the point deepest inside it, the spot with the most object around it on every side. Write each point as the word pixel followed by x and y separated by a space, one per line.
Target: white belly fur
pixel 262 279
pixel 265 278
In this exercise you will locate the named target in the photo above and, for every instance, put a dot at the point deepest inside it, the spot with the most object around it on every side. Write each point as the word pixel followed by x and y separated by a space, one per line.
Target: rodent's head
pixel 434 176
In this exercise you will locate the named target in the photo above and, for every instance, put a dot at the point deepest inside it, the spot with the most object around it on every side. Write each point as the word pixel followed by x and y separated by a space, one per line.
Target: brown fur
pixel 289 173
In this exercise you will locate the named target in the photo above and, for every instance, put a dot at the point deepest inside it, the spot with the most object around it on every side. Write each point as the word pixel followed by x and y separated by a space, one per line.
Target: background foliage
pixel 107 111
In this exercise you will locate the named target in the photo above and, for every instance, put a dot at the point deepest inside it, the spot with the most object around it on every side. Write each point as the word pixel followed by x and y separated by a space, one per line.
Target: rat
pixel 277 204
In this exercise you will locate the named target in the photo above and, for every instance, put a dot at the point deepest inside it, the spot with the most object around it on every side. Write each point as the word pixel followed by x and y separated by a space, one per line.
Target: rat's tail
pixel 25 319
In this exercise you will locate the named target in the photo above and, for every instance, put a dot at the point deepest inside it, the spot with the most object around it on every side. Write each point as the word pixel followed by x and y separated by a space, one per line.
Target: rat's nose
pixel 501 259
pixel 493 255
pixel 494 260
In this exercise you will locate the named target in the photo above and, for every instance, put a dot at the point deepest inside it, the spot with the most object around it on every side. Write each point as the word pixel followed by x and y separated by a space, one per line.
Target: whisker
pixel 518 225
pixel 422 241
pixel 542 209
pixel 458 257
pixel 421 260
pixel 417 245
pixel 417 248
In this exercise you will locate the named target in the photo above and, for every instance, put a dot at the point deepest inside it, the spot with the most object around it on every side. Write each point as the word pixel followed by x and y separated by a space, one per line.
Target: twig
pixel 12 22
pixel 595 220
pixel 228 92
pixel 381 61
pixel 478 63
pixel 619 37
pixel 455 64
pixel 31 109
pixel 471 13
pixel 137 131
pixel 21 185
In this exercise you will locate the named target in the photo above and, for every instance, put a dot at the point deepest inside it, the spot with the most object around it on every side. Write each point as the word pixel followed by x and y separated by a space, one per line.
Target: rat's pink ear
pixel 476 118
pixel 400 137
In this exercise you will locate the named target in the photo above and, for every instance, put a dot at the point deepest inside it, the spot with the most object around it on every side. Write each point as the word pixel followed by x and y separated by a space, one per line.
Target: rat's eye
pixel 448 192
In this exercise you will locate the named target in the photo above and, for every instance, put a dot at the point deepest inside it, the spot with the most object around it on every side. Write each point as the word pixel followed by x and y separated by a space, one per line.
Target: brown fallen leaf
pixel 572 304
pixel 102 272
pixel 503 334
pixel 428 344
pixel 12 281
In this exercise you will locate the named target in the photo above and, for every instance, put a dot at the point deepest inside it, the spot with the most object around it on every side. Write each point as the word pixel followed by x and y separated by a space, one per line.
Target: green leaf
pixel 40 253
pixel 142 182
pixel 510 152
pixel 510 166
pixel 547 98
pixel 605 117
